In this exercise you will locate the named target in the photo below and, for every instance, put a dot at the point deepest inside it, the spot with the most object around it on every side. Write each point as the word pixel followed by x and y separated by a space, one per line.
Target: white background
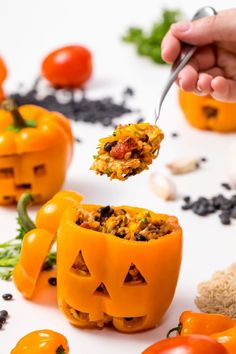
pixel 28 31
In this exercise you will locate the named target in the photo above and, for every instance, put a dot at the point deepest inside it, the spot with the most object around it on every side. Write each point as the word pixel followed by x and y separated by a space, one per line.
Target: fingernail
pixel 181 26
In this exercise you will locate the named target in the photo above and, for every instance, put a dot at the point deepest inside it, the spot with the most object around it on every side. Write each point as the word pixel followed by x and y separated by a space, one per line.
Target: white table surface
pixel 28 31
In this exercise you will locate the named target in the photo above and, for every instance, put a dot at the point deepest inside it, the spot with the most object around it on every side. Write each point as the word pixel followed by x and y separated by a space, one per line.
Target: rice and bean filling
pixel 120 223
pixel 129 151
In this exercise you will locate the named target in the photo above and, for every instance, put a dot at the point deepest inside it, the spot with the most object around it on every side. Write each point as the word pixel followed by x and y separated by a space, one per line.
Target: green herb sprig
pixel 149 43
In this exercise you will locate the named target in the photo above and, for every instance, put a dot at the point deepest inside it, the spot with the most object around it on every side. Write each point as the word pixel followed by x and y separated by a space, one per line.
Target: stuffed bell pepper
pixel 117 265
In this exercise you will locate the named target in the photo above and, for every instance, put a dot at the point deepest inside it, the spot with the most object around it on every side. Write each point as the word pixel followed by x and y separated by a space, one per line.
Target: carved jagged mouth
pixel 83 319
pixel 24 186
pixel 210 112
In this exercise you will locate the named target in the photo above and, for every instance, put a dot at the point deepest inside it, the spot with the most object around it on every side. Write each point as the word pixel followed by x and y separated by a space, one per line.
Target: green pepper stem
pixel 60 350
pixel 11 107
pixel 25 200
pixel 175 329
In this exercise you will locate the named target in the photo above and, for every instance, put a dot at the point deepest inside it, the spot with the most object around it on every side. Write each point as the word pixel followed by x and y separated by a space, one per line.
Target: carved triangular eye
pixel 102 290
pixel 134 276
pixel 79 266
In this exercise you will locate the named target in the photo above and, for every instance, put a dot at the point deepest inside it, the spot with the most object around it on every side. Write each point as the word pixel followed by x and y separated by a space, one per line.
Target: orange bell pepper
pixel 108 261
pixel 42 342
pixel 35 150
pixel 3 75
pixel 202 323
pixel 227 338
pixel 217 326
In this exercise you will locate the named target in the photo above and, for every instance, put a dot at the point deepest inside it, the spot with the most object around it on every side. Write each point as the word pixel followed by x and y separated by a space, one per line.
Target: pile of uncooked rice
pixel 218 295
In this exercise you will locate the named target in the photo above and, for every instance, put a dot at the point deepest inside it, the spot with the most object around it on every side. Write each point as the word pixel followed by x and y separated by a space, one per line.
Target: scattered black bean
pixel 203 159
pixel 140 120
pixel 7 297
pixel 52 281
pixel 108 146
pixel 174 135
pixel 4 313
pixel 226 186
pixel 77 140
pixel 103 110
pixel 204 206
pixel 187 199
pixel 2 319
pixel 129 91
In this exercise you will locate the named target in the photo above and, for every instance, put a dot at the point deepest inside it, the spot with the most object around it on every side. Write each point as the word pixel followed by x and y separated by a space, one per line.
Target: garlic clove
pixel 184 165
pixel 163 186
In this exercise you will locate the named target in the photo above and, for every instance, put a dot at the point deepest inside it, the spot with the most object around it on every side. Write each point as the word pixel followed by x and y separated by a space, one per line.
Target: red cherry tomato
pixel 68 67
pixel 192 344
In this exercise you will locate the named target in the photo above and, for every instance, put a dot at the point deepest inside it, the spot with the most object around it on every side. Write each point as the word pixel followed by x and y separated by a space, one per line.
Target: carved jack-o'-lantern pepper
pixel 203 112
pixel 116 265
pixel 35 151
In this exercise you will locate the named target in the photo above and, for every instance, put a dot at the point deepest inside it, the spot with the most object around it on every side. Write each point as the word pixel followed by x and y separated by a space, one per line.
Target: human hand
pixel 212 69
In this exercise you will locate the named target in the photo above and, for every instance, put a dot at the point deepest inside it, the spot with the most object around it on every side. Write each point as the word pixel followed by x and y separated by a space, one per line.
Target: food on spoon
pixel 108 258
pixel 129 151
pixel 42 341
pixel 68 67
pixel 36 148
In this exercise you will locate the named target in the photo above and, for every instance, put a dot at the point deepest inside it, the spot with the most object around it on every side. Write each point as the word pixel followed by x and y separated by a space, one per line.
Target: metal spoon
pixel 187 52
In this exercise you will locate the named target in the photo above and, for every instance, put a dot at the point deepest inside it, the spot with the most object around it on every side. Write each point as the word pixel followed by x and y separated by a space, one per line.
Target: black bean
pixel 187 199
pixel 120 235
pixel 129 91
pixel 226 186
pixel 225 218
pixel 203 159
pixel 52 281
pixel 7 297
pixel 186 206
pixel 140 238
pixel 139 120
pixel 4 313
pixel 2 319
pixel 174 135
pixel 145 138
pixel 233 213
pixel 108 146
pixel 106 211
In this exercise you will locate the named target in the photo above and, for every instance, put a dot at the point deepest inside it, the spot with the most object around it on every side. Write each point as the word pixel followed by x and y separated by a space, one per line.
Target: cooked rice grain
pixel 218 295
